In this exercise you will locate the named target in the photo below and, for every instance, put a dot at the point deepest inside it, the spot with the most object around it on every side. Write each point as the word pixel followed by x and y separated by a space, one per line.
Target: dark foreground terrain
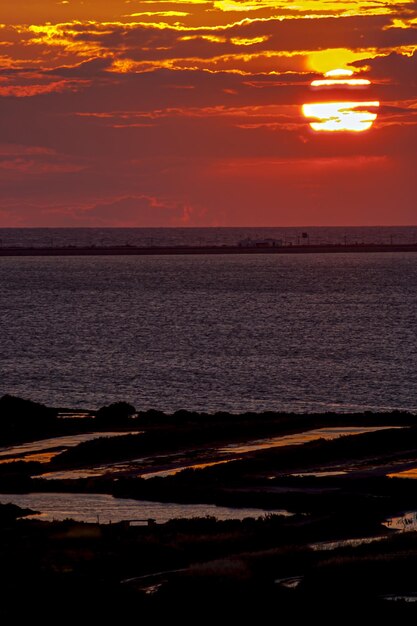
pixel 193 570
pixel 198 567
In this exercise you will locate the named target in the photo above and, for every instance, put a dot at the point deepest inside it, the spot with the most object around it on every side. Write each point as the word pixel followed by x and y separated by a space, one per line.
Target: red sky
pixel 144 113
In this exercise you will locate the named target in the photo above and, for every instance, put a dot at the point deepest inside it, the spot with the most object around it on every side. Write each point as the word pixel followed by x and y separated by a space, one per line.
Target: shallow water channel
pixel 44 450
pixel 173 464
pixel 105 508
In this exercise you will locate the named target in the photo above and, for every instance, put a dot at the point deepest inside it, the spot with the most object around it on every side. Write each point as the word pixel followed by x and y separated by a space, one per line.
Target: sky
pixel 189 113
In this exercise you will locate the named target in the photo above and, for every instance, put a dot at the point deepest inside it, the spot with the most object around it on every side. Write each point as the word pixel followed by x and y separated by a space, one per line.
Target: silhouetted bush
pixel 116 413
pixel 10 512
pixel 20 418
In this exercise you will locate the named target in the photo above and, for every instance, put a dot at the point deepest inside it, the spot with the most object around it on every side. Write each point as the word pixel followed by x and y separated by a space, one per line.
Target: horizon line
pixel 205 227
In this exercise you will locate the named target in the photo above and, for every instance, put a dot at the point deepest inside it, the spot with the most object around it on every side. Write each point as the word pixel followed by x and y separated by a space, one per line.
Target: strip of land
pixel 188 250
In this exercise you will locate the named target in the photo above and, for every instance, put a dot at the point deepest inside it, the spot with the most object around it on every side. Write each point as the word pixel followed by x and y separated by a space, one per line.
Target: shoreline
pixel 195 250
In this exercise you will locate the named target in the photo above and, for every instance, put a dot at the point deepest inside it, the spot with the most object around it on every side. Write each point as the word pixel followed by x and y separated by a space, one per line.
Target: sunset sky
pixel 189 113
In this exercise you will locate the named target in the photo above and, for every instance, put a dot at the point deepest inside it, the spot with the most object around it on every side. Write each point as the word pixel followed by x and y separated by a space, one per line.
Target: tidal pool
pixel 45 449
pixel 406 521
pixel 171 465
pixel 103 508
pixel 299 439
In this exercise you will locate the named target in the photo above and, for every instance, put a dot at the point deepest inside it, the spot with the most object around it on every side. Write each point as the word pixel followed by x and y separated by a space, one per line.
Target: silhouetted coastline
pixel 339 490
pixel 130 250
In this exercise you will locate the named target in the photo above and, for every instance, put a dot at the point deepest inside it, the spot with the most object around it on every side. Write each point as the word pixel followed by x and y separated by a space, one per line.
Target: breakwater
pixel 223 249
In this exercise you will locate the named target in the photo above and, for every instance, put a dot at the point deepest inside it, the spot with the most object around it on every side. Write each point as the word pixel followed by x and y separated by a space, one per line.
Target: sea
pixel 296 333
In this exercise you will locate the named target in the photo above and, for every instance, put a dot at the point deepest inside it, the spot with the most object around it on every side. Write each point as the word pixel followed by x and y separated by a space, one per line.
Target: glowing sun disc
pixel 337 116
pixel 347 82
pixel 353 116
pixel 338 73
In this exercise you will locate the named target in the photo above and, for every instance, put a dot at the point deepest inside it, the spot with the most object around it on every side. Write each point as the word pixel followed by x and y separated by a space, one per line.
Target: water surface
pixel 44 450
pixel 104 508
pixel 174 463
pixel 286 333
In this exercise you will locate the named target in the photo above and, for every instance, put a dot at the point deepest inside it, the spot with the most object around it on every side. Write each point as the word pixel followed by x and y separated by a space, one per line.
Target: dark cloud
pixel 86 69
pixel 399 68
pixel 143 42
pixel 151 44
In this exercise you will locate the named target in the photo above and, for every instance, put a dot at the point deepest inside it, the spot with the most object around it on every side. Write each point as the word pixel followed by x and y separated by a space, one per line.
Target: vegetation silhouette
pixel 115 414
pixel 186 567
pixel 201 566
pixel 20 419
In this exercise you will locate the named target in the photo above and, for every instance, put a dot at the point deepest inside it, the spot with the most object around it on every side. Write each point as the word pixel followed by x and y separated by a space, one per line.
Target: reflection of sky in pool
pixel 176 470
pixel 136 465
pixel 344 543
pixel 299 439
pixel 84 507
pixel 406 521
pixel 45 449
pixel 410 473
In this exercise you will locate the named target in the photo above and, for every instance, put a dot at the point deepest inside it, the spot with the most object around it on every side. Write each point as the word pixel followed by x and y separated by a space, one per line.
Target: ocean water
pixel 208 333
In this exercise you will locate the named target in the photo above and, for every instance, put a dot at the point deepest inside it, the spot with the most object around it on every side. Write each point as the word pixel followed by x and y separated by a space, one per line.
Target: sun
pixel 341 115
